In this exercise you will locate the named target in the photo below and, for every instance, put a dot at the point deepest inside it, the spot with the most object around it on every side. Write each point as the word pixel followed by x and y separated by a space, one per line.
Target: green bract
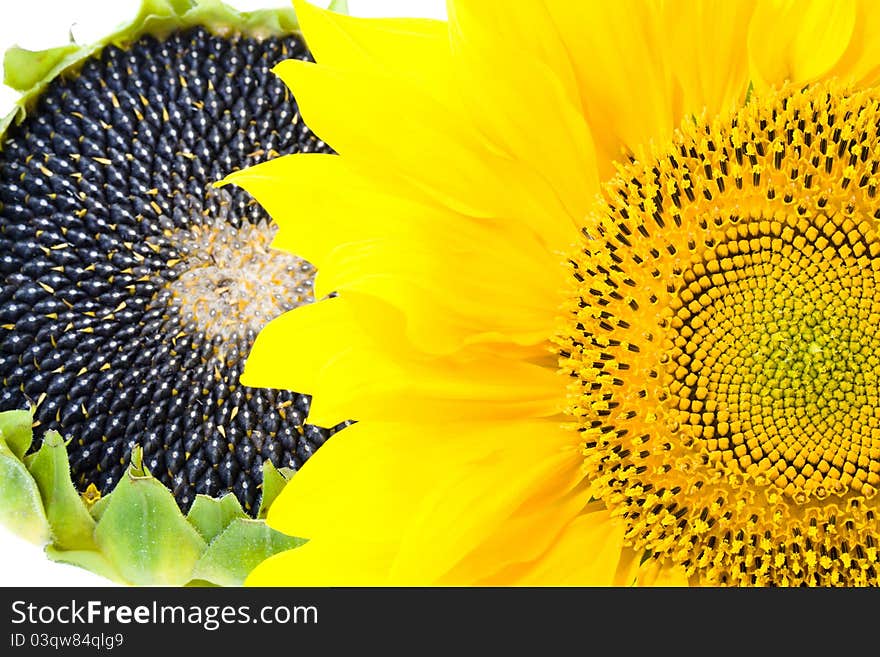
pixel 136 534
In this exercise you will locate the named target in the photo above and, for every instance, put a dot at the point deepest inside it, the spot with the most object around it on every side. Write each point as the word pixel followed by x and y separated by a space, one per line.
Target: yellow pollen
pixel 722 344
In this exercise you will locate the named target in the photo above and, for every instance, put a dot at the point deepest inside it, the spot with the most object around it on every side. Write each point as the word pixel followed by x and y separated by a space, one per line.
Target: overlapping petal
pixel 466 173
pixel 464 483
pixel 588 552
pixel 705 44
pixel 799 41
pixel 803 42
pixel 532 114
pixel 368 240
pixel 627 90
pixel 860 62
pixel 360 365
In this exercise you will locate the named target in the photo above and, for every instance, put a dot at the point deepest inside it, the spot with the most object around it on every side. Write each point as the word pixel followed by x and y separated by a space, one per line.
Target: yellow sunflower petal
pixel 371 481
pixel 628 567
pixel 360 365
pixel 798 41
pixel 587 553
pixel 655 574
pixel 487 36
pixel 429 148
pixel 414 48
pixel 707 48
pixel 378 484
pixel 626 88
pixel 860 64
pixel 515 544
pixel 535 463
pixel 322 209
pixel 487 388
pixel 326 563
pixel 318 202
pixel 441 319
pixel 361 484
pixel 323 201
pixel 326 326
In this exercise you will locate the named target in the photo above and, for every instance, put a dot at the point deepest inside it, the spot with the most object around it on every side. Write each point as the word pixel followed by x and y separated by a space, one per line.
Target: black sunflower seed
pixel 132 290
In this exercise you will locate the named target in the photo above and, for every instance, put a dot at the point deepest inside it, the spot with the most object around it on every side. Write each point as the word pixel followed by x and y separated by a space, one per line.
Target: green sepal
pixel 72 525
pixel 16 431
pixel 143 534
pixel 339 6
pixel 98 507
pixel 274 481
pixel 21 508
pixel 23 69
pixel 239 549
pixel 137 533
pixel 90 560
pixel 211 516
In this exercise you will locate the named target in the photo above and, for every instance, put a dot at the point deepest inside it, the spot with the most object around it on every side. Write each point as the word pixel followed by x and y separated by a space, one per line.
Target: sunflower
pixel 605 311
pixel 131 291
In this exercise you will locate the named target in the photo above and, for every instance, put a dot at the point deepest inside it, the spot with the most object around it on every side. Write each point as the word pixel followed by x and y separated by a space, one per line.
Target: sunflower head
pixel 131 289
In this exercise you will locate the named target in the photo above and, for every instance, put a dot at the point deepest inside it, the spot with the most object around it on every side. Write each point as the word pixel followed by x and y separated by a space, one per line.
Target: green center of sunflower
pixel 724 344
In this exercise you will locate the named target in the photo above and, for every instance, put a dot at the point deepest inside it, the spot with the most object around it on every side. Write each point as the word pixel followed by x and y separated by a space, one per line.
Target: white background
pixel 38 24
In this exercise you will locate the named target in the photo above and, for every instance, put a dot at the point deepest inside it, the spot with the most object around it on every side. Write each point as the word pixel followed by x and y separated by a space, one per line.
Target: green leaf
pixel 239 549
pixel 71 524
pixel 16 431
pixel 144 535
pixel 273 483
pixel 21 508
pixel 339 6
pixel 211 516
